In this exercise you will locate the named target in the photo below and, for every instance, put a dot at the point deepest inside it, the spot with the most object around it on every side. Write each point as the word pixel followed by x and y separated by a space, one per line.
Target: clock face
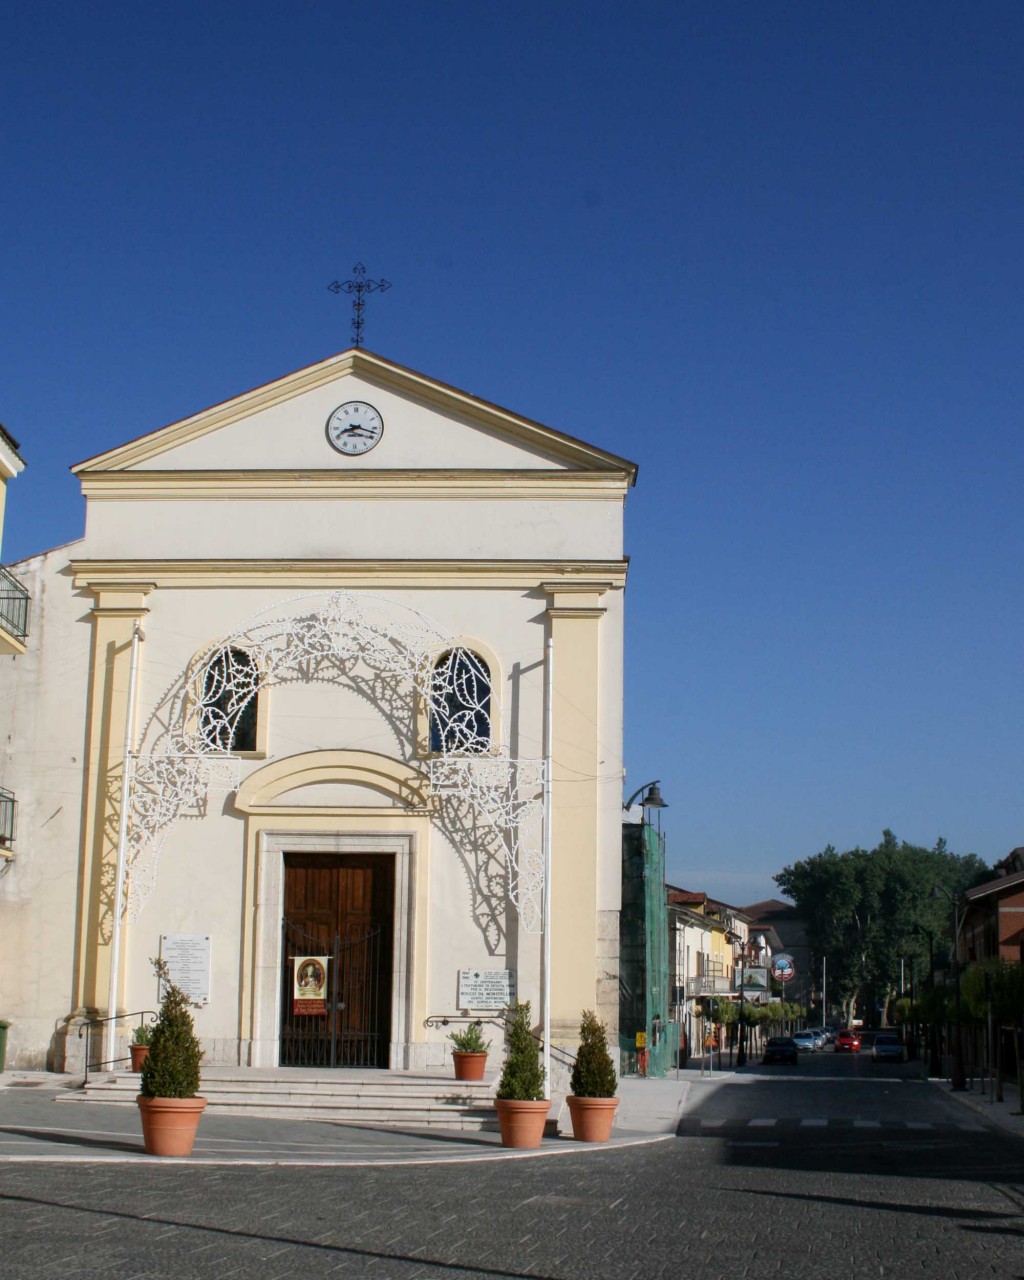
pixel 354 427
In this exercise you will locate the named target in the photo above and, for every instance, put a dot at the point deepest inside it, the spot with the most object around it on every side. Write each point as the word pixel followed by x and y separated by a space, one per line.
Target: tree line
pixel 865 910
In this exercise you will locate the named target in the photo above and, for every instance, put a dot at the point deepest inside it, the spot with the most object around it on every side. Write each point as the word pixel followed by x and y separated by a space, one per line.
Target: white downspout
pixel 117 903
pixel 549 687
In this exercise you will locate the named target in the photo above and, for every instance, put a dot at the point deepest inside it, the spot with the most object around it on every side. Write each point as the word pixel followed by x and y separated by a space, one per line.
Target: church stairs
pixel 389 1099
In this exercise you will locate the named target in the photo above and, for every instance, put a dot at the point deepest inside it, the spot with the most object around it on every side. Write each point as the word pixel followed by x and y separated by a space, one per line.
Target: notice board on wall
pixel 187 956
pixel 486 988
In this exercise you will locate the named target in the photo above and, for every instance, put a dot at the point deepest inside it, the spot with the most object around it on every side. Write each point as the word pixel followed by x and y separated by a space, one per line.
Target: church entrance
pixel 340 908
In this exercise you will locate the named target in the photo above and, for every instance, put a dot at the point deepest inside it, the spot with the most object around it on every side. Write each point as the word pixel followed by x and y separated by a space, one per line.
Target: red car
pixel 847 1042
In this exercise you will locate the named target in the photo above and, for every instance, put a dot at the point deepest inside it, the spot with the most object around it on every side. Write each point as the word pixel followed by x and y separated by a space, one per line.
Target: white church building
pixel 335 672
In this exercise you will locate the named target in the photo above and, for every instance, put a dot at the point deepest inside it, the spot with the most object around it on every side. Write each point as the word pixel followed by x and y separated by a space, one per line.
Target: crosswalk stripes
pixel 696 1126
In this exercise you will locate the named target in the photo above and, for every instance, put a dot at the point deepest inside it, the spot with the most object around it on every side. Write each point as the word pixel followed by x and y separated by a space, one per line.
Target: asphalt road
pixel 833 1169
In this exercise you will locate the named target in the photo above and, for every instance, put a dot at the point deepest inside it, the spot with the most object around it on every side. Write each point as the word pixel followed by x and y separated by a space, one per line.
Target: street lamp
pixel 933 1045
pixel 652 800
pixel 958 1078
pixel 746 950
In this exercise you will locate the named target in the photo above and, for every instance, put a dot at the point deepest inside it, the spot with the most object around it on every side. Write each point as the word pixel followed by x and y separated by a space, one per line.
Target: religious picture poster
pixel 309 990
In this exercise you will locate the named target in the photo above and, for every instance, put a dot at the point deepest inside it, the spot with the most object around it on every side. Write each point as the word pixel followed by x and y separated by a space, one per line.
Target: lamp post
pixel 933 1047
pixel 753 947
pixel 957 1076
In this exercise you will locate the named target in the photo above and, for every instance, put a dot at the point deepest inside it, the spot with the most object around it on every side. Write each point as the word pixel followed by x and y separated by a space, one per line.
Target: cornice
pixel 177 486
pixel 591 576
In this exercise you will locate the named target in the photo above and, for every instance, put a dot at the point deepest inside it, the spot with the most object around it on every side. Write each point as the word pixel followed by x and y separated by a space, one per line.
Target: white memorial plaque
pixel 188 963
pixel 486 988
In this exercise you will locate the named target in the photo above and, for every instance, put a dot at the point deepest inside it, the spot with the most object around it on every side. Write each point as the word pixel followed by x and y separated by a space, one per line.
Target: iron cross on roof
pixel 358 286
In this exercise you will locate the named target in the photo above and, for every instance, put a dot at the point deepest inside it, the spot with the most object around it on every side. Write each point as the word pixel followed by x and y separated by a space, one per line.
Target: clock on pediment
pixel 354 428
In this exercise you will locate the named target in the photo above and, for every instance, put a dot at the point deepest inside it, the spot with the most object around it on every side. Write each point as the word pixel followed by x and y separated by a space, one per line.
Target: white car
pixel 806 1041
pixel 888 1048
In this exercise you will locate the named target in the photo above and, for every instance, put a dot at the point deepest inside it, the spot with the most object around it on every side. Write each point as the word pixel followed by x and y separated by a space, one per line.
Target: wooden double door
pixel 340 906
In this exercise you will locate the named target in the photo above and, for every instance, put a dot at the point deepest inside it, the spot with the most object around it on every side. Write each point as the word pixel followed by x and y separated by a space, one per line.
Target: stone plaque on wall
pixel 188 963
pixel 486 988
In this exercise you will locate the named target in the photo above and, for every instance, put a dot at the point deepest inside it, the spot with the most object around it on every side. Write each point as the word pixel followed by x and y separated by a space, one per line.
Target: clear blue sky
pixel 771 252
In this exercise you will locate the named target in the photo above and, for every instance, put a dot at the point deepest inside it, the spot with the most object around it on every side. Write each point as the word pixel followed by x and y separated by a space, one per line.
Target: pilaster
pixel 574 617
pixel 114 614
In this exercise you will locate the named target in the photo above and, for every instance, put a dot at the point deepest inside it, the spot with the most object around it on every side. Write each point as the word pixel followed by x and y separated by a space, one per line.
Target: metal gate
pixel 355 1031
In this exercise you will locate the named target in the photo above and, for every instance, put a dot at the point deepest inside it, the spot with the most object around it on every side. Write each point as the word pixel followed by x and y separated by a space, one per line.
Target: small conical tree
pixel 522 1077
pixel 593 1073
pixel 172 1068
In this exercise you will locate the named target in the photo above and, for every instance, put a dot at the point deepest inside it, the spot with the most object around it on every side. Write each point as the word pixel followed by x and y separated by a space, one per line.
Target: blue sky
pixel 770 252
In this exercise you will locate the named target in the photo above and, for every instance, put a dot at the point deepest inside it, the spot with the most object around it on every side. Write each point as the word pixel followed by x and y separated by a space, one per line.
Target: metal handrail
pixel 498 1020
pixel 86 1029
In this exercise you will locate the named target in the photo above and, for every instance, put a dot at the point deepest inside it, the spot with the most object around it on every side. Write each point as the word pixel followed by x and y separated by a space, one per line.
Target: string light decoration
pixel 488 804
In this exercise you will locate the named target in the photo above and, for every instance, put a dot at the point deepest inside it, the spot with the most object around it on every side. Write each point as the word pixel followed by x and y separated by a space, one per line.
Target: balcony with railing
pixel 710 984
pixel 13 613
pixel 8 822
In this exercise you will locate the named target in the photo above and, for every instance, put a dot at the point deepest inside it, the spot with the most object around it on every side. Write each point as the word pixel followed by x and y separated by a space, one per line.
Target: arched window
pixel 228 717
pixel 460 703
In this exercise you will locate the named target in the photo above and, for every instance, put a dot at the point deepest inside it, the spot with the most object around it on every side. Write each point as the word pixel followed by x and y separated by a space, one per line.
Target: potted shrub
pixel 139 1047
pixel 470 1052
pixel 520 1102
pixel 592 1101
pixel 168 1103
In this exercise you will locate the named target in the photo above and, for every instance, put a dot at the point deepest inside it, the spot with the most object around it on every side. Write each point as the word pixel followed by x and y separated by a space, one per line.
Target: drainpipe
pixel 549 690
pixel 116 910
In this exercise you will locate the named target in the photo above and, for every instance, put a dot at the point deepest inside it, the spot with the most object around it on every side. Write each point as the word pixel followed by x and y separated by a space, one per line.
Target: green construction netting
pixel 644 994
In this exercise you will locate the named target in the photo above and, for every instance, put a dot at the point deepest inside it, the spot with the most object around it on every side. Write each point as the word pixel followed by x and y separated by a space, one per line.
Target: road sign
pixel 783 968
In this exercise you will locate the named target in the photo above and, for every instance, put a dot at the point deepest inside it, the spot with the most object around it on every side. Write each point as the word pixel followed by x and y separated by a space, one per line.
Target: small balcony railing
pixel 709 985
pixel 8 820
pixel 13 605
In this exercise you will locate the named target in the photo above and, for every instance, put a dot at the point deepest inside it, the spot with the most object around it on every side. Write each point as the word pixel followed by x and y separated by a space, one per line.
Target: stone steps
pixel 383 1098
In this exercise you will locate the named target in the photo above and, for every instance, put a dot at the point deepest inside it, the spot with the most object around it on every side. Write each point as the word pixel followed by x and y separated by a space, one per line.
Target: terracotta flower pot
pixel 139 1052
pixel 169 1124
pixel 592 1118
pixel 469 1066
pixel 522 1123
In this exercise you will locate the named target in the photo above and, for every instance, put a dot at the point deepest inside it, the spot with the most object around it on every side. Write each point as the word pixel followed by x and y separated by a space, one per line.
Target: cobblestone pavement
pixel 771 1177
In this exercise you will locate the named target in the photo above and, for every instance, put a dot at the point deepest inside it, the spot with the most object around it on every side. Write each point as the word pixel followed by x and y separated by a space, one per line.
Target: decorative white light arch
pixel 399 660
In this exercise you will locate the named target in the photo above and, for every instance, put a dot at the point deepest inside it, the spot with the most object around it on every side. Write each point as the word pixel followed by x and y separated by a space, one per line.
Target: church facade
pixel 332 677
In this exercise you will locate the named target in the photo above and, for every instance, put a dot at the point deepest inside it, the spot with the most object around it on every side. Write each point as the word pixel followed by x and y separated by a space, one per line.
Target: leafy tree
pixel 867 909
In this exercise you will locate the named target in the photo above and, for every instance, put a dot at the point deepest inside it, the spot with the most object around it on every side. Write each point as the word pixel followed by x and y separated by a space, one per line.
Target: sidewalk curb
pixel 1000 1114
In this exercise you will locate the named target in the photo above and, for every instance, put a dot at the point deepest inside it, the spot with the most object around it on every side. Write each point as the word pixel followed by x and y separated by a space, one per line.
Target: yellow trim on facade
pixel 260 790
pixel 490 485
pixel 593 576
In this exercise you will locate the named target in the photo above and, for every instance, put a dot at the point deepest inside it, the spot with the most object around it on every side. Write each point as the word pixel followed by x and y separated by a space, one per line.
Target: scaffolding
pixel 644 992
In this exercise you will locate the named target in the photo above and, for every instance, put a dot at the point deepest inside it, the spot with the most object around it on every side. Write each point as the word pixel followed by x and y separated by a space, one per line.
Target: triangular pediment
pixel 428 427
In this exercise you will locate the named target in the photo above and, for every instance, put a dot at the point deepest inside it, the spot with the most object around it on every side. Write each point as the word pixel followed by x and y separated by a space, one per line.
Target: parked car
pixel 888 1047
pixel 806 1040
pixel 847 1042
pixel 820 1037
pixel 780 1049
